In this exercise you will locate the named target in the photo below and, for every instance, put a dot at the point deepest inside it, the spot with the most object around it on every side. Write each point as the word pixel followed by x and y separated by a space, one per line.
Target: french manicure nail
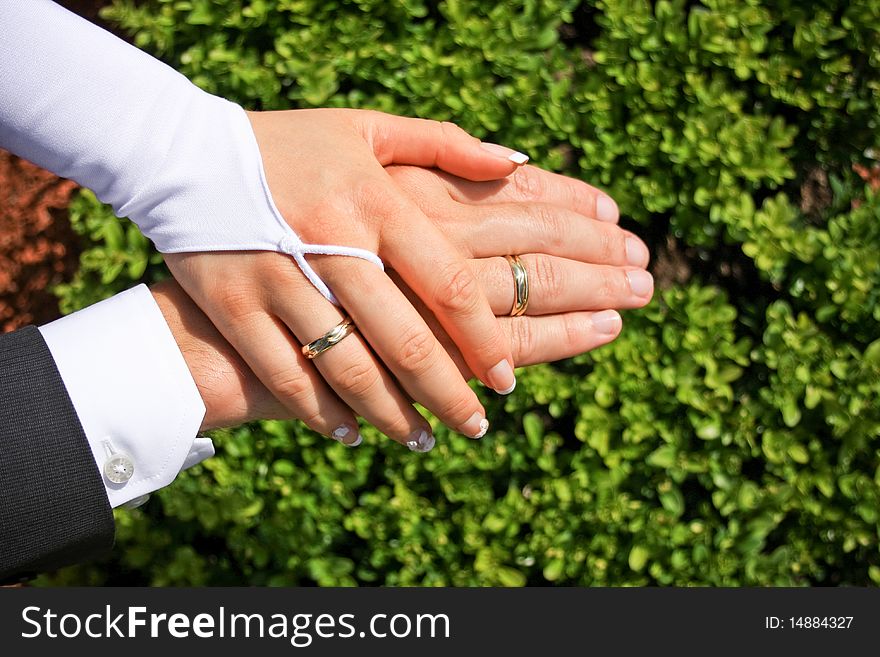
pixel 340 433
pixel 501 378
pixel 641 282
pixel 606 209
pixel 476 426
pixel 507 153
pixel 420 441
pixel 636 252
pixel 607 322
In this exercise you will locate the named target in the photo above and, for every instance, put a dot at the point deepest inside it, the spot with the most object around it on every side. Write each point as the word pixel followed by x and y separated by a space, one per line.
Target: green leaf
pixel 662 457
pixel 638 557
pixel 533 427
pixel 553 570
pixel 510 577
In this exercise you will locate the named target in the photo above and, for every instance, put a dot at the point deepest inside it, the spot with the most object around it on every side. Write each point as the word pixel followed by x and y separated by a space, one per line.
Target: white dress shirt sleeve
pixel 132 391
pixel 184 165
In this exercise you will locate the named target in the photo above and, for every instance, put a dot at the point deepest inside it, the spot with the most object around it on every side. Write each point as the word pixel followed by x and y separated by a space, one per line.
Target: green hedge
pixel 729 436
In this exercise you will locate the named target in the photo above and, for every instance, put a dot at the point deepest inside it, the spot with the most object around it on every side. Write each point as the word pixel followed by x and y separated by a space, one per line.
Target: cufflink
pixel 136 502
pixel 118 468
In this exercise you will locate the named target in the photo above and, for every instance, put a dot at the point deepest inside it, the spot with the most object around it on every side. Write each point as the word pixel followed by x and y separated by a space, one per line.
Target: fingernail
pixel 607 322
pixel 606 209
pixel 476 426
pixel 641 282
pixel 636 252
pixel 507 153
pixel 420 441
pixel 342 432
pixel 501 378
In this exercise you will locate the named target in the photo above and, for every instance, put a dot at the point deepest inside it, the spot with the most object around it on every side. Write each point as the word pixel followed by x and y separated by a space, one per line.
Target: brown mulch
pixel 38 248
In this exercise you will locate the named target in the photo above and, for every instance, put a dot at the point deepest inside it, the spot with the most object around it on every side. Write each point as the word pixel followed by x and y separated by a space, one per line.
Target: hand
pixel 574 264
pixel 560 323
pixel 325 170
pixel 233 394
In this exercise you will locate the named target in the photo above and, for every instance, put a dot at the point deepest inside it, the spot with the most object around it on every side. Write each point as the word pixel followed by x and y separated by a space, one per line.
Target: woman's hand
pixel 565 292
pixel 325 171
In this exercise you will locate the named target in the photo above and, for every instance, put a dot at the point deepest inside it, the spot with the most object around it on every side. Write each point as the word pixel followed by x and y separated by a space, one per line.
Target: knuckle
pixel 457 409
pixel 314 420
pixel 611 246
pixel 548 279
pixel 292 387
pixel 458 291
pixel 554 228
pixel 397 428
pixel 277 274
pixel 238 301
pixel 523 339
pixel 609 286
pixel 415 356
pixel 526 185
pixel 357 378
pixel 449 134
pixel 450 131
pixel 579 194
pixel 451 128
pixel 572 332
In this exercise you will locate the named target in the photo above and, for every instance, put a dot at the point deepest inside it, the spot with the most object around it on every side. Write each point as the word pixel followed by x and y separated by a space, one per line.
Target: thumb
pixel 441 145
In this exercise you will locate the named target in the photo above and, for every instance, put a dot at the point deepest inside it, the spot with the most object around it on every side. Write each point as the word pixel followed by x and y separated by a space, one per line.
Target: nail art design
pixel 423 442
pixel 508 153
pixel 339 434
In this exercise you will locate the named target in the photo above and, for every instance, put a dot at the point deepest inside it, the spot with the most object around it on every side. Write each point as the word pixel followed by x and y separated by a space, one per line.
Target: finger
pixel 529 184
pixel 402 340
pixel 542 228
pixel 264 342
pixel 274 356
pixel 437 273
pixel 555 337
pixel 443 145
pixel 349 367
pixel 559 285
pixel 535 340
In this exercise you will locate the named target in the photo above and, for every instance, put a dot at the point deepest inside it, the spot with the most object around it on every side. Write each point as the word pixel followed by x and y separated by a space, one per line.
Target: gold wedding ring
pixel 331 338
pixel 520 286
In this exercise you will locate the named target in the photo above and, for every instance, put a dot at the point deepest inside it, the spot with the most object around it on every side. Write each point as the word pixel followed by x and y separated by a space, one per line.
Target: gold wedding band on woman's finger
pixel 331 338
pixel 520 286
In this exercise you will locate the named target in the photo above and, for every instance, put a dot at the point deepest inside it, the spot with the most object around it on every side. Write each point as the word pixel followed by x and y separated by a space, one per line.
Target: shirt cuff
pixel 131 388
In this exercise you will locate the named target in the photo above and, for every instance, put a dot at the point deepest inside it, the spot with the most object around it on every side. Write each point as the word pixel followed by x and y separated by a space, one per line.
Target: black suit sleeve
pixel 53 506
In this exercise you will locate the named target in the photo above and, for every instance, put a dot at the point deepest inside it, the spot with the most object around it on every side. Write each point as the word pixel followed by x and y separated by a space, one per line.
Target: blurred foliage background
pixel 728 437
